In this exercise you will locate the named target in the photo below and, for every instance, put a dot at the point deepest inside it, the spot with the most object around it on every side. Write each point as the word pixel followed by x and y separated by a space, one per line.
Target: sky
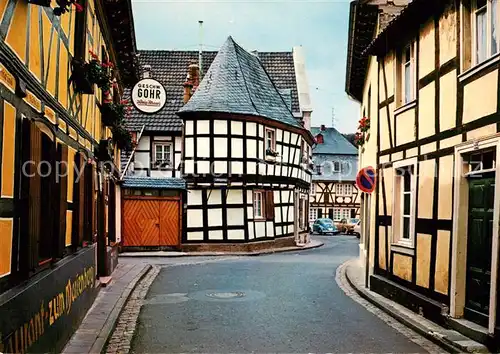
pixel 320 27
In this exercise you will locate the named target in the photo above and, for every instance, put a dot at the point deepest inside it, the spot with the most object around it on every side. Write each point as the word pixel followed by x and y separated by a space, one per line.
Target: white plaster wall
pixel 286 136
pixel 194 218
pixel 162 138
pixel 220 126
pixel 214 197
pixel 203 127
pixel 195 236
pixel 220 167
pixel 140 173
pixel 161 174
pixel 236 167
pixel 203 166
pixel 260 229
pixel 215 235
pixel 260 150
pixel 279 135
pixel 236 147
pixel 214 217
pixel 235 217
pixel 251 149
pixel 261 130
pixel 144 143
pixel 203 147
pixel 141 159
pixel 270 228
pixel 234 196
pixel 189 147
pixel 236 128
pixel 189 127
pixel 236 234
pixel 220 147
pixel 189 166
pixel 250 231
pixel 251 129
pixel 194 197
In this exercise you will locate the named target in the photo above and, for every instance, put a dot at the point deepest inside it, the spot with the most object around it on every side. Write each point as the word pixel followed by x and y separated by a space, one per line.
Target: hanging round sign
pixel 149 96
pixel 365 180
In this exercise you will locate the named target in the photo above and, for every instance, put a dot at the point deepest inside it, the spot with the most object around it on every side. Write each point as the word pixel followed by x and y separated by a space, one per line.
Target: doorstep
pixel 449 339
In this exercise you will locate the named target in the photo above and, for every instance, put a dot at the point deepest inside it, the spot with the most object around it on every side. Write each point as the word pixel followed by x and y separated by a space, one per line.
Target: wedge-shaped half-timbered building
pixel 206 155
pixel 57 202
pixel 429 82
pixel 245 156
pixel 334 193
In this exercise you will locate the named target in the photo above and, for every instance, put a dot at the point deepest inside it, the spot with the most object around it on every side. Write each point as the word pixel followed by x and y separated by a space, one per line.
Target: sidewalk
pixel 312 244
pixel 100 320
pixel 448 339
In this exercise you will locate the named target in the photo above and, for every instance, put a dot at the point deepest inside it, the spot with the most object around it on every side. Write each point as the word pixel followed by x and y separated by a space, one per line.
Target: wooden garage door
pixel 151 222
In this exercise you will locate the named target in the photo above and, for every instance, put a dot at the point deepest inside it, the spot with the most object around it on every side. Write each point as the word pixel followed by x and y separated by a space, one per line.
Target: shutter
pixel 61 200
pixel 33 141
pixel 112 212
pixel 269 205
pixel 88 201
pixel 78 201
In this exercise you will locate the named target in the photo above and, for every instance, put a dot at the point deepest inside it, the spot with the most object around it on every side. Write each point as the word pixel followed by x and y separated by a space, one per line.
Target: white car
pixel 357 229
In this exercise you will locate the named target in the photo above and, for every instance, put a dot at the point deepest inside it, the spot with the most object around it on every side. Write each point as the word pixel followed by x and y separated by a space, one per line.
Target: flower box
pixel 44 3
pixel 271 153
pixel 111 114
pixel 122 138
pixel 82 83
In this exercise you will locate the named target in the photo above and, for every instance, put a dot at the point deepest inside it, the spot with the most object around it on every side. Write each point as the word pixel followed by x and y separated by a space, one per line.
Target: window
pixel 405 75
pixel 263 205
pixel 404 203
pixel 163 154
pixel 337 214
pixel 480 162
pixel 319 169
pixel 346 213
pixel 270 140
pixel 336 166
pixel 485 24
pixel 258 201
pixel 313 214
pixel 313 188
pixel 343 189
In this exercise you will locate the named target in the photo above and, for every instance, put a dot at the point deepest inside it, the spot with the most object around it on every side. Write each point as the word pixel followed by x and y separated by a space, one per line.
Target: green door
pixel 479 237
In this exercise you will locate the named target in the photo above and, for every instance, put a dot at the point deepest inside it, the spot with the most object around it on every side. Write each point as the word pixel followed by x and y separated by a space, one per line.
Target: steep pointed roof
pixel 237 83
pixel 334 143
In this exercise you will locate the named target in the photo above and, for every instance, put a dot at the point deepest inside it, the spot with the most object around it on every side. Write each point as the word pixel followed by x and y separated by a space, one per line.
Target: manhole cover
pixel 226 295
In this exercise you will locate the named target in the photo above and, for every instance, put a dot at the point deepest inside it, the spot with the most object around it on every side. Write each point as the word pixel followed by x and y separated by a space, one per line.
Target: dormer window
pixel 319 139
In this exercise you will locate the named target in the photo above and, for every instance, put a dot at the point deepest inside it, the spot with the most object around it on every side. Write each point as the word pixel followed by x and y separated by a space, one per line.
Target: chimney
pixel 192 81
pixel 146 71
pixel 323 128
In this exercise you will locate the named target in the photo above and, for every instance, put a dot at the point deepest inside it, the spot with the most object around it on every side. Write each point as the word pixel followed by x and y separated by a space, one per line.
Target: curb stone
pixel 110 323
pixel 215 254
pixel 447 339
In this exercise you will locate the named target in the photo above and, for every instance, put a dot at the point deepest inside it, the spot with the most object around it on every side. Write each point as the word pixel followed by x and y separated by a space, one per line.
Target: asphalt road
pixel 281 303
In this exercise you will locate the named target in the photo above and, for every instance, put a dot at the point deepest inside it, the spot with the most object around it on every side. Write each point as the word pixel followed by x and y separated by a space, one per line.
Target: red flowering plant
pixel 363 133
pixel 98 72
pixel 65 6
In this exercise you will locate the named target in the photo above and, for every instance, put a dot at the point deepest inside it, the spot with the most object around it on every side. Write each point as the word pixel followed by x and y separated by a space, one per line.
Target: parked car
pixel 357 229
pixel 346 226
pixel 324 226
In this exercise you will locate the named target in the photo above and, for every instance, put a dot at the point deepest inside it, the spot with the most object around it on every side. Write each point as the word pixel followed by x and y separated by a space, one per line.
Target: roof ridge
pixel 243 74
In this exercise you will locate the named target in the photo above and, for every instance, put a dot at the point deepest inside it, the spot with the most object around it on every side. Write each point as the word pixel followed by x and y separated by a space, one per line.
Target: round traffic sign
pixel 366 180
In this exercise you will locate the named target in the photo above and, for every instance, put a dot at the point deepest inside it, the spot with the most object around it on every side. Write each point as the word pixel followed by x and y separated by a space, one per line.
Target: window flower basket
pixel 84 75
pixel 122 137
pixel 112 113
pixel 363 133
pixel 272 153
pixel 65 6
pixel 79 77
pixel 44 3
pixel 359 139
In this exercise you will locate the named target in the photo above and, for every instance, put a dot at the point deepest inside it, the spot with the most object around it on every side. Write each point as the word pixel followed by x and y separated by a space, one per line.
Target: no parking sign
pixel 365 180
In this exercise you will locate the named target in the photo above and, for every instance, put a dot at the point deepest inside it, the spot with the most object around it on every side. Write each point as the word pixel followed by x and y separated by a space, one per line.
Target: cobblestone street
pixel 232 304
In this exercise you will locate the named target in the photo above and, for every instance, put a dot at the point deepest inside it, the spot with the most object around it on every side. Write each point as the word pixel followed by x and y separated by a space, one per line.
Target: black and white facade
pixel 240 140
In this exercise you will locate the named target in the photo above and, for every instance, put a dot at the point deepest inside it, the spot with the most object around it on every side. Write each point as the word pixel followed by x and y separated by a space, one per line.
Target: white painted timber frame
pixel 460 229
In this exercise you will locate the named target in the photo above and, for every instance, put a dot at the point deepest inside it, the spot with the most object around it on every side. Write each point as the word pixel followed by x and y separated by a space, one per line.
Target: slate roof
pixel 237 83
pixel 334 143
pixel 170 67
pixel 154 183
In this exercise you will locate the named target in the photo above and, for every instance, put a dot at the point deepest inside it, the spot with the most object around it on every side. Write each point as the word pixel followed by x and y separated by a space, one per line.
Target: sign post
pixel 149 96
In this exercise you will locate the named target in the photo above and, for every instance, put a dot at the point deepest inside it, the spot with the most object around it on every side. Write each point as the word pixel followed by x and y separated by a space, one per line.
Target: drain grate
pixel 226 295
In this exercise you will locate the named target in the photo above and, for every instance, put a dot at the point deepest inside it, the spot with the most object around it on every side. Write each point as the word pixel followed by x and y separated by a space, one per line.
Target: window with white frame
pixel 337 214
pixel 343 189
pixel 485 24
pixel 163 154
pixel 313 214
pixel 404 203
pixel 258 204
pixel 270 140
pixel 408 67
pixel 346 213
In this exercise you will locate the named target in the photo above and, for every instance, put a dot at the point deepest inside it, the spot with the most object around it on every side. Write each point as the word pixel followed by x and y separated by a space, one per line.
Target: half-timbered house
pixel 163 137
pixel 245 156
pixel 428 80
pixel 334 193
pixel 57 201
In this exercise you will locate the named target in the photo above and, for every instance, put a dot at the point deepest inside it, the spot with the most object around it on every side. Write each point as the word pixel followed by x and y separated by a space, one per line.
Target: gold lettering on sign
pixel 7 78
pixel 33 101
pixel 28 334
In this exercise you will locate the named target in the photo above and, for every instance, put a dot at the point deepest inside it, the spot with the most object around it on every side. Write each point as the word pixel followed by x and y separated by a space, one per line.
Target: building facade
pixel 218 158
pixel 428 81
pixel 57 202
pixel 334 193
